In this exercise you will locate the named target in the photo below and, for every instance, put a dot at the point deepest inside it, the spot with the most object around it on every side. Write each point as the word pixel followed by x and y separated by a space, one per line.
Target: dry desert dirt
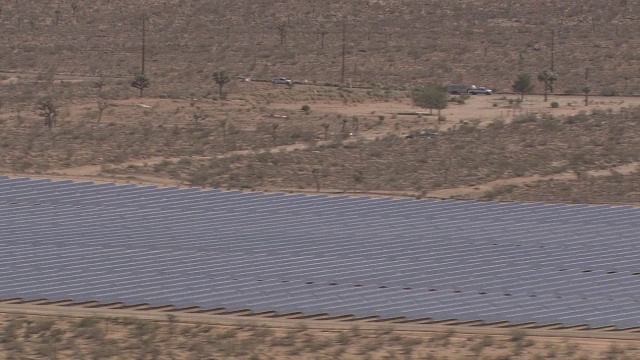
pixel 86 331
pixel 361 141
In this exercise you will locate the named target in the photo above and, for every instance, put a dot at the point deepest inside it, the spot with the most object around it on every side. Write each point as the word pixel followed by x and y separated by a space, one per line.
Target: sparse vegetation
pixel 431 96
pixel 260 139
pixel 523 85
pixel 221 78
pixel 140 82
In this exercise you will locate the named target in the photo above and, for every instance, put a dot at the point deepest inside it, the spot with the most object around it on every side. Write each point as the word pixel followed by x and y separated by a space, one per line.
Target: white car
pixel 481 90
pixel 282 80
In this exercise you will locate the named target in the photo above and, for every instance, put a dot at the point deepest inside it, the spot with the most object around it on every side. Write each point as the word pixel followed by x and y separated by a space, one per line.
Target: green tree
pixel 221 78
pixel 140 82
pixel 523 85
pixel 547 77
pixel 431 96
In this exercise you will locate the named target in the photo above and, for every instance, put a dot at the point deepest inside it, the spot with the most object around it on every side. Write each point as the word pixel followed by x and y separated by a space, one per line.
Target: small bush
pixel 517 335
pixel 555 105
pixel 306 108
pixel 343 338
pixel 87 322
pixel 457 99
pixel 523 119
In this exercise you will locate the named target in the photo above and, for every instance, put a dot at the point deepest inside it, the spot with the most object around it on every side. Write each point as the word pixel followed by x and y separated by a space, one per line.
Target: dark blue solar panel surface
pixel 460 260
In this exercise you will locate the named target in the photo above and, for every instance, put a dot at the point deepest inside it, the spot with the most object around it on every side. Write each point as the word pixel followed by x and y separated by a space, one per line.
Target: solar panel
pixel 464 260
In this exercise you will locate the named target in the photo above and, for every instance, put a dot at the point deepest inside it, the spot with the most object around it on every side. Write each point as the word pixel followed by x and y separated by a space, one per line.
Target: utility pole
pixel 587 88
pixel 344 48
pixel 553 40
pixel 143 42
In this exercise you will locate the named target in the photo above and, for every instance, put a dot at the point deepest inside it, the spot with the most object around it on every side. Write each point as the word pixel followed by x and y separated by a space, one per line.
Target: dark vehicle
pixel 423 135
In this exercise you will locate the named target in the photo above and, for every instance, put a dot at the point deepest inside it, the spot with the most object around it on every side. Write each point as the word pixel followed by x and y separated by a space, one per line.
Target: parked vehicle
pixel 479 90
pixel 282 80
pixel 422 135
pixel 457 89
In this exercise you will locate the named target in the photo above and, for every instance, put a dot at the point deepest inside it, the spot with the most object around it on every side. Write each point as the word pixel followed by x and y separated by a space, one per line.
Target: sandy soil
pixel 351 339
pixel 479 108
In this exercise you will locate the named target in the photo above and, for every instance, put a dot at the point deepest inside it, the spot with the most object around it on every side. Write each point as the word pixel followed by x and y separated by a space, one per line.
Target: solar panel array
pixel 419 259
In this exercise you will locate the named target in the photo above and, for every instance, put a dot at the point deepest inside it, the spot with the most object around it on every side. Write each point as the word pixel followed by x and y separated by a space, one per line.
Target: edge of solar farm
pixel 345 316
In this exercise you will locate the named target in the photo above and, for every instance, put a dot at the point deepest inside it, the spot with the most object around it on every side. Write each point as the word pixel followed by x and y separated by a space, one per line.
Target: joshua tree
pixel 586 90
pixel 322 32
pixel 199 116
pixel 74 9
pixel 140 82
pixel 523 85
pixel 48 110
pixel 221 78
pixel 223 127
pixel 355 124
pixel 102 105
pixel 358 178
pixel 318 173
pixel 57 12
pixel 325 126
pixel 547 77
pixel 282 27
pixel 431 96
pixel 99 84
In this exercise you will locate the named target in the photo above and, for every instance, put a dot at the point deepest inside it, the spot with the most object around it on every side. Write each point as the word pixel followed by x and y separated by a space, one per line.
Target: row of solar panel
pixel 149 196
pixel 568 311
pixel 54 262
pixel 317 254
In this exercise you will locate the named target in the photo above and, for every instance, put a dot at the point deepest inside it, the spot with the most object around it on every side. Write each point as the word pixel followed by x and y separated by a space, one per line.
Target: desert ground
pixel 55 331
pixel 361 141
pixel 240 130
pixel 260 122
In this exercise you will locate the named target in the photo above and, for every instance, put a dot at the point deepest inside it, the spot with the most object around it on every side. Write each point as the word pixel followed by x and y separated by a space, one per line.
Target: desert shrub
pixel 485 342
pixel 87 322
pixel 385 330
pixel 11 330
pixel 466 127
pixel 306 108
pixel 613 352
pixel 499 191
pixel 555 105
pixel 41 325
pixel 343 338
pixel 442 339
pixel 457 100
pixel 496 124
pixel 526 118
pixel 94 333
pixel 227 334
pixel 581 117
pixel 517 335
